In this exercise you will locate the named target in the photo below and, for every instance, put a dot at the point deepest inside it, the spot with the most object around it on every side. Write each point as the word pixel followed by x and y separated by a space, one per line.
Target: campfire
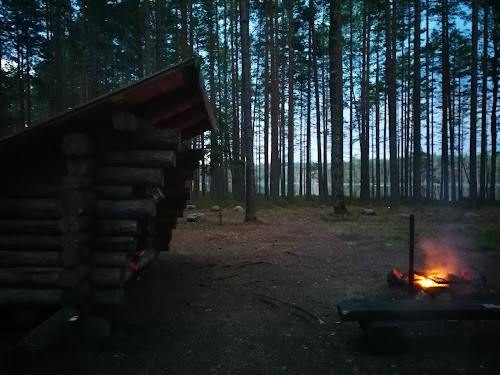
pixel 444 272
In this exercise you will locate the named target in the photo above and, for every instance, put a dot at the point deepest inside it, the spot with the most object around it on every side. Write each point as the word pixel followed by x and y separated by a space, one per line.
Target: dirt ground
pixel 261 299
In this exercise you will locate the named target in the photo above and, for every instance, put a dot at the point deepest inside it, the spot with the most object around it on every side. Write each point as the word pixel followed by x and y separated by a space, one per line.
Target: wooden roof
pixel 174 98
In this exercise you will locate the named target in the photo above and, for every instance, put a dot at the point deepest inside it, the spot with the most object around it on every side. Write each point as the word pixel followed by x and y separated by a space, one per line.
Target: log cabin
pixel 91 196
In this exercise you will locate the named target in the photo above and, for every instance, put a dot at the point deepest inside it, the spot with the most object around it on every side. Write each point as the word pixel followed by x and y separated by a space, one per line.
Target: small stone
pixel 368 211
pixel 215 208
pixel 190 207
pixel 238 209
pixel 196 217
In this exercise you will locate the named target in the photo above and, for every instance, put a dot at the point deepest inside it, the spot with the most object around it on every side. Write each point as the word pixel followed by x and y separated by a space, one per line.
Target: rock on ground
pixel 215 208
pixel 238 209
pixel 190 207
pixel 368 211
pixel 196 217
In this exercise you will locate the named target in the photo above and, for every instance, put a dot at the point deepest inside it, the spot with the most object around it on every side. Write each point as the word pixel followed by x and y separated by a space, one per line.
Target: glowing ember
pixel 430 281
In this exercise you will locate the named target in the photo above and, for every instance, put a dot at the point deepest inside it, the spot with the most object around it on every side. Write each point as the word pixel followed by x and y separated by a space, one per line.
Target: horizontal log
pixel 26 296
pixel 115 192
pixel 29 241
pixel 127 209
pixel 39 276
pixel 29 258
pixel 76 203
pixel 126 244
pixel 109 277
pixel 73 183
pixel 118 227
pixel 77 144
pixel 28 209
pixel 142 158
pixel 146 139
pixel 29 226
pixel 130 176
pixel 108 296
pixel 36 190
pixel 110 259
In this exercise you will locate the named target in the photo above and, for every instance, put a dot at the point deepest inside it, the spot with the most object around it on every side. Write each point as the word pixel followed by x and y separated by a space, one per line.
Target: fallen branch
pixel 290 305
pixel 252 264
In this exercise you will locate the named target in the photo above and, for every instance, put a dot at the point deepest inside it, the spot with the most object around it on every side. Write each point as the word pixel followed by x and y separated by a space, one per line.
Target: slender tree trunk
pixel 385 145
pixel 417 173
pixel 246 94
pixel 377 121
pixel 336 97
pixel 291 68
pixel 484 68
pixel 312 17
pixel 275 162
pixel 308 131
pixel 494 76
pixel 446 94
pixel 473 106
pixel 391 88
pixel 266 118
pixel 427 108
pixel 147 38
pixel 351 98
pixel 159 38
pixel 365 128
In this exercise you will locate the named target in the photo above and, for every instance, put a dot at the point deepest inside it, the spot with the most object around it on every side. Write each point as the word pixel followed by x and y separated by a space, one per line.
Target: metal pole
pixel 411 270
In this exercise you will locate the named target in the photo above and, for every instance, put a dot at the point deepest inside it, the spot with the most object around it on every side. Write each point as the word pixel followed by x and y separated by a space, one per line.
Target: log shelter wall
pixel 90 197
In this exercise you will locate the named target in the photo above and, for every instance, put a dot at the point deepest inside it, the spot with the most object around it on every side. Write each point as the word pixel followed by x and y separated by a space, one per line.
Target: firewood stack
pixel 78 223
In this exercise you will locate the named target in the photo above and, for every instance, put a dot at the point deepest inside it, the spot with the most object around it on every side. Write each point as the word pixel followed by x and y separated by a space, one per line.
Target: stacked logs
pixel 76 228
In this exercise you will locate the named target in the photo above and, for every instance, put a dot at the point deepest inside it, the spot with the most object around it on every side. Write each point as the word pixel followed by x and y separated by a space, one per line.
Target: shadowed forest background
pixel 345 98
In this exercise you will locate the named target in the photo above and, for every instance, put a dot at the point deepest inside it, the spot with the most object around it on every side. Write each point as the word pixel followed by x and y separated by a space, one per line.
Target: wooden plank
pixel 419 310
pixel 141 158
pixel 115 192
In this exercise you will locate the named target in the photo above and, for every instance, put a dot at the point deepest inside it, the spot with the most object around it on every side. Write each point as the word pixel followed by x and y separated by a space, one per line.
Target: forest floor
pixel 261 298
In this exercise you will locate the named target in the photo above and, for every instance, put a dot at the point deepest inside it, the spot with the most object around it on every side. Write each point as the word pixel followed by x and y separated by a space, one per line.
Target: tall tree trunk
pixel 275 157
pixel 377 121
pixel 427 108
pixel 494 76
pixel 266 116
pixel 159 38
pixel 473 106
pixel 147 38
pixel 312 17
pixel 365 103
pixel 351 99
pixel 484 68
pixel 417 174
pixel 336 97
pixel 446 94
pixel 251 210
pixel 391 93
pixel 184 30
pixel 308 130
pixel 291 68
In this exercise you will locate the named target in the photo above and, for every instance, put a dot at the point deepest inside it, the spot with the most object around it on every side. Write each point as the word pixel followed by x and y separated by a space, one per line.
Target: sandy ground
pixel 261 299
